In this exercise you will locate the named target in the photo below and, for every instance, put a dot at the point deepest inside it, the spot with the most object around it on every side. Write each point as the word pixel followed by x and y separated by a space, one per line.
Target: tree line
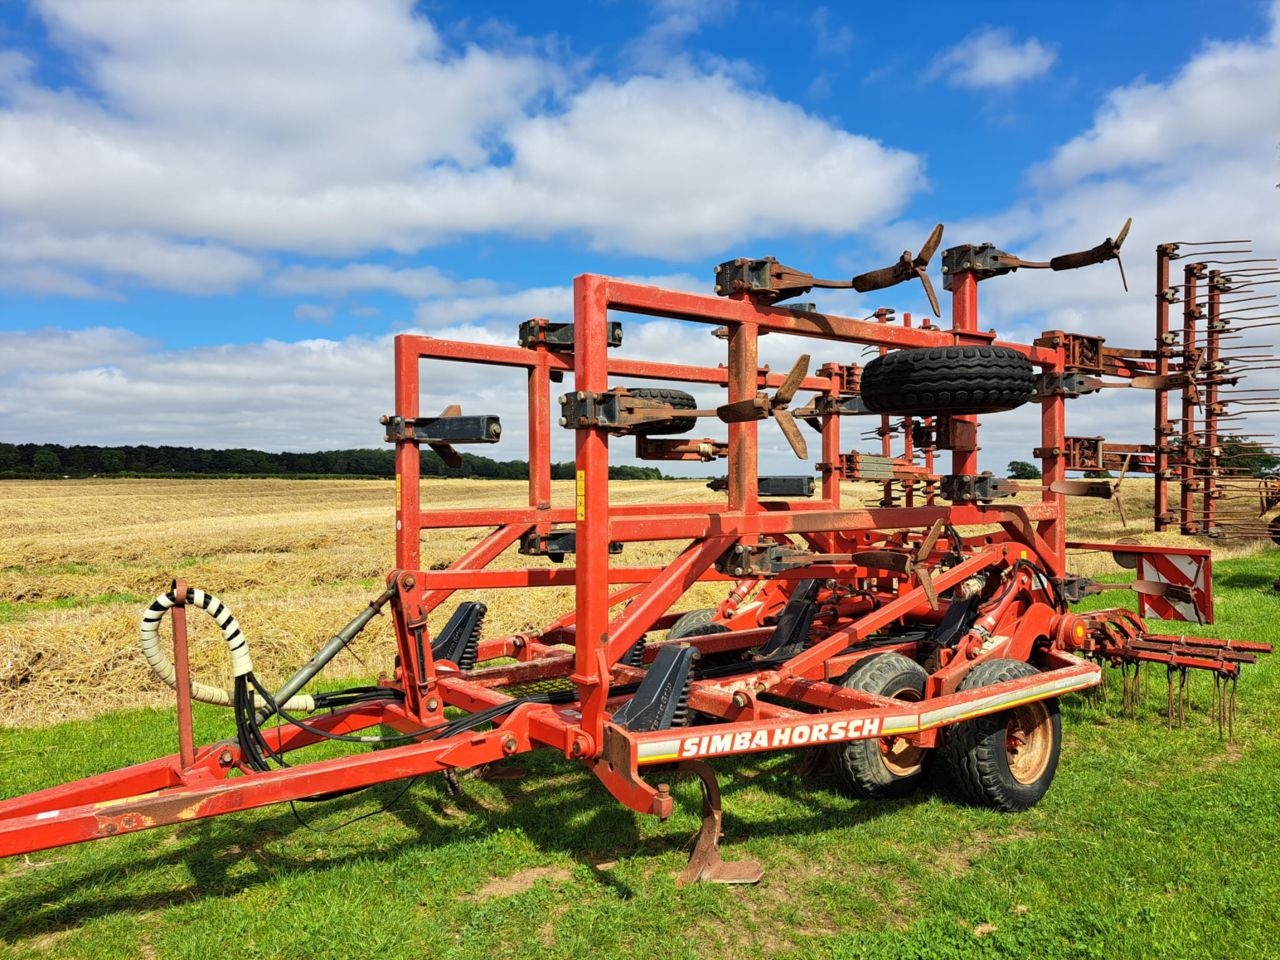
pixel 37 460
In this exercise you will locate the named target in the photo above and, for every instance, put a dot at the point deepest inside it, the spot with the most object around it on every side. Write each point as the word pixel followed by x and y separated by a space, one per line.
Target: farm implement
pixel 936 621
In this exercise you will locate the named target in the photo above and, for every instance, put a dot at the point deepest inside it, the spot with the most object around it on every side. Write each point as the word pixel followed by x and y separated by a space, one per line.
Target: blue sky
pixel 213 216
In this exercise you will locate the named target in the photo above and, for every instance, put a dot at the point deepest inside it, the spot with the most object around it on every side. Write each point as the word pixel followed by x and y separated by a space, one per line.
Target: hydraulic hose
pixel 241 665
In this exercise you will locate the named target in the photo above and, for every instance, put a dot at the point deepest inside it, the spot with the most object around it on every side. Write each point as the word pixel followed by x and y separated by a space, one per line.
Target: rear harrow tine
pixel 1231 715
pixel 1217 700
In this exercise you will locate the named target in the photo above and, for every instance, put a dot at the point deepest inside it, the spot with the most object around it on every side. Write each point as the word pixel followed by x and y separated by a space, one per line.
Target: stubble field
pixel 293 559
pixel 1151 843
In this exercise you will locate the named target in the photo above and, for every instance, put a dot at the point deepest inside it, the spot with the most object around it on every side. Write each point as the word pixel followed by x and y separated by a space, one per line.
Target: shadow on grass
pixel 556 811
pixel 1247 579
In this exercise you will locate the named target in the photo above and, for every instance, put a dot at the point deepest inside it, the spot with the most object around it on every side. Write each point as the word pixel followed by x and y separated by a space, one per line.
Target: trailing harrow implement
pixel 937 621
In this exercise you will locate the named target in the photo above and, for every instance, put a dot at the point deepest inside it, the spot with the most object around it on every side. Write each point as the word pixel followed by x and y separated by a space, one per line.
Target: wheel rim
pixel 900 756
pixel 1028 742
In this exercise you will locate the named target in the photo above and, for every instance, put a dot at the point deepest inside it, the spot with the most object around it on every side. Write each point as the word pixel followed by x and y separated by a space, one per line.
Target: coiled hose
pixel 241 665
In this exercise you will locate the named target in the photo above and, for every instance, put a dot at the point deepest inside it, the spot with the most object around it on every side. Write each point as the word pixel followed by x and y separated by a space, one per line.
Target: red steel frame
pixel 196 785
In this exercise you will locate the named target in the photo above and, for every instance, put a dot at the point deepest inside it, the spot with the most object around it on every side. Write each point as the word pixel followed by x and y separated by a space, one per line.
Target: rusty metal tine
pixel 705 863
pixel 1231 717
pixel 1237 311
pixel 1262 296
pixel 1197 256
pixel 1249 260
pixel 1252 282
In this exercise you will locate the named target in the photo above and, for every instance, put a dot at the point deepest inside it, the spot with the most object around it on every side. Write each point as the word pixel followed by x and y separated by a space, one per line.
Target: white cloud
pixel 991 57
pixel 356 89
pixel 643 164
pixel 554 303
pixel 213 132
pixel 512 308
pixel 830 38
pixel 415 283
pixel 1224 103
pixel 31 256
pixel 42 279
pixel 50 350
pixel 633 164
pixel 14 66
pixel 660 48
pixel 313 313
pixel 324 393
pixel 310 395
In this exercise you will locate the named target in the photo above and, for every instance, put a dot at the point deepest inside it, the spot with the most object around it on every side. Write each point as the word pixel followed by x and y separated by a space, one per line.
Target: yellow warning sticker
pixel 582 495
pixel 399 503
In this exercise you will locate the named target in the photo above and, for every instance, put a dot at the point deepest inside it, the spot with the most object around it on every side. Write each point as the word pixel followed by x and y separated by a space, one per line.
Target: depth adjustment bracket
pixel 616 410
pixel 748 560
pixel 961 488
pixel 556 544
pixel 486 428
pixel 764 280
pixel 1064 385
pixel 558 337
pixel 442 432
pixel 798 485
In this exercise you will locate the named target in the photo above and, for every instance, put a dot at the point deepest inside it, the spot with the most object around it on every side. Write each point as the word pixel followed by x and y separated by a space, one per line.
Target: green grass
pixel 1151 843
pixel 11 610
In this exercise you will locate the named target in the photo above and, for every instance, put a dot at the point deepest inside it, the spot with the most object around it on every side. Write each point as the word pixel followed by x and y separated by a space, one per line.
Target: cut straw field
pixel 293 559
pixel 1152 843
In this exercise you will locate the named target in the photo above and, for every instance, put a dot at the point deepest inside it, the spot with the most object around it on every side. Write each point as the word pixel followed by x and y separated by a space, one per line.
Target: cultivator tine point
pixel 1216 701
pixel 1226 705
pixel 1181 698
pixel 1230 716
pixel 705 864
pixel 795 376
pixel 790 430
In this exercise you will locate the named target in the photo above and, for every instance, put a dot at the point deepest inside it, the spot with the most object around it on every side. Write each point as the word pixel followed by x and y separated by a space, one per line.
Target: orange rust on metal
pixel 705 863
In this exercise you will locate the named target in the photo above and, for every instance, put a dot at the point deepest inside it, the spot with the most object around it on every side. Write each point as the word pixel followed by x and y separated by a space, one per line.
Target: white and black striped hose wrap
pixel 241 665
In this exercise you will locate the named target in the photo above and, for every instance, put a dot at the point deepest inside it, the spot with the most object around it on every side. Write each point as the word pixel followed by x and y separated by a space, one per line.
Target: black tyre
pixel 678 399
pixel 1005 760
pixel 888 767
pixel 956 380
pixel 696 623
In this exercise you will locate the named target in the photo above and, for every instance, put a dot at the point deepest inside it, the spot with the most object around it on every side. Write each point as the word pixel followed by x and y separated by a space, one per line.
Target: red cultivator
pixel 937 620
